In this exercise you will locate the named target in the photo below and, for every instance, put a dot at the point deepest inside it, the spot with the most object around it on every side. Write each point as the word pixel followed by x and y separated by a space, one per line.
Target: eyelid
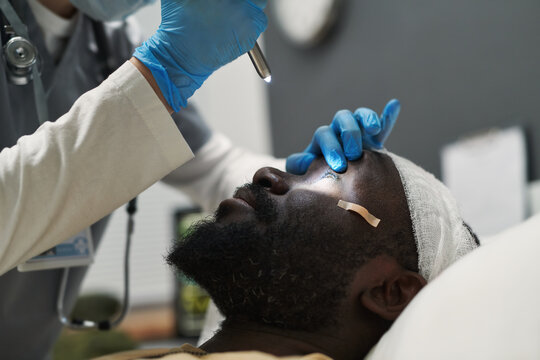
pixel 330 174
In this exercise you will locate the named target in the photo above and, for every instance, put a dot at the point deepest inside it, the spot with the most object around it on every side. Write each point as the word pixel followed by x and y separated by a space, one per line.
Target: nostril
pixel 265 182
pixel 263 177
pixel 272 180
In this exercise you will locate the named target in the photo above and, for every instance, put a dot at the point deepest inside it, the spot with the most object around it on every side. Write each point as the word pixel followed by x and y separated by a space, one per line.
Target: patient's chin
pixel 272 274
pixel 211 250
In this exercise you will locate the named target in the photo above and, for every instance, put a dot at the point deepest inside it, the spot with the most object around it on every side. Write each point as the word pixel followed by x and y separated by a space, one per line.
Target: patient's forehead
pixel 372 170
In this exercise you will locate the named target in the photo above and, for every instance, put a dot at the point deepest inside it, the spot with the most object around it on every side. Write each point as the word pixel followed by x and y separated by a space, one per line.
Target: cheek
pixel 324 188
pixel 319 210
pixel 318 206
pixel 302 198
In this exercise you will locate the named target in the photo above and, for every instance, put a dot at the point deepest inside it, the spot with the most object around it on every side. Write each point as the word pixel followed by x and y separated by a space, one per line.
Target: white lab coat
pixel 83 65
pixel 116 141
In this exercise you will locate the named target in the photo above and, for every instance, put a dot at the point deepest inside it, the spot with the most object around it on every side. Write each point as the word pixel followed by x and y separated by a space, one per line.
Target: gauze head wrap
pixel 441 235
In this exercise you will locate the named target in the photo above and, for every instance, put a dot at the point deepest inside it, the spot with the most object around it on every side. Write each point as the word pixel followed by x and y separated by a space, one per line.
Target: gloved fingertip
pixel 293 168
pixel 352 144
pixel 298 164
pixel 335 158
pixel 392 108
pixel 339 167
pixel 306 161
pixel 336 161
pixel 394 102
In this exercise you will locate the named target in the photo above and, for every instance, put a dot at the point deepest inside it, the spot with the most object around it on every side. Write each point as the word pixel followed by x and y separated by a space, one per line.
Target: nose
pixel 272 179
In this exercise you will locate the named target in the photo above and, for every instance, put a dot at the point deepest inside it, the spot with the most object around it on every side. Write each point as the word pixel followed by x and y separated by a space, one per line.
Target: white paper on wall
pixel 488 175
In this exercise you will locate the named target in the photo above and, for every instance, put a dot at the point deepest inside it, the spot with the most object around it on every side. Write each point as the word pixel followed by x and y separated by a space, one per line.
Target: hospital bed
pixel 485 306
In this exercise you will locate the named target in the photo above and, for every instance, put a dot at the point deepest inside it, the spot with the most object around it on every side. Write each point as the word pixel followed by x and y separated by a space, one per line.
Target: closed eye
pixel 329 174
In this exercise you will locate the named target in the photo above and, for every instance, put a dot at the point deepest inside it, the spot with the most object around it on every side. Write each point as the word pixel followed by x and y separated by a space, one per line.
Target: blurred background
pixel 468 77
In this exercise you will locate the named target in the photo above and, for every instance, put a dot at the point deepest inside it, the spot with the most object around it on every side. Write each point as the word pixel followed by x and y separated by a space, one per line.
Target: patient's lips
pixel 246 196
pixel 242 201
pixel 250 199
pixel 237 201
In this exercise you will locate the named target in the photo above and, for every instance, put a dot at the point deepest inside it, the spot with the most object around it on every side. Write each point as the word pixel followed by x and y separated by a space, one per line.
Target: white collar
pixel 50 23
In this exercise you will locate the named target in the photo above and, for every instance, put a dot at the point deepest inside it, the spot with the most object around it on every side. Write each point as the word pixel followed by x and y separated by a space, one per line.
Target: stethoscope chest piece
pixel 21 56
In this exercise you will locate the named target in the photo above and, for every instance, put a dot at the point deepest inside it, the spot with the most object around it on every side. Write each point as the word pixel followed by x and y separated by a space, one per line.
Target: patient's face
pixel 281 252
pixel 275 197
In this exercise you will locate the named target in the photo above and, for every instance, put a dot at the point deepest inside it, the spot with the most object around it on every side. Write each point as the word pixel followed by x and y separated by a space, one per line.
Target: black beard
pixel 290 275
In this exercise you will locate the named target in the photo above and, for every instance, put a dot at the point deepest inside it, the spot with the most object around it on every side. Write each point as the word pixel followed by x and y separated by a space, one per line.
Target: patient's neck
pixel 246 336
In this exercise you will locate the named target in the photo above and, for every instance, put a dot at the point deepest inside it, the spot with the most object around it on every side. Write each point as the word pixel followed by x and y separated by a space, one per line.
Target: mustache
pixel 258 197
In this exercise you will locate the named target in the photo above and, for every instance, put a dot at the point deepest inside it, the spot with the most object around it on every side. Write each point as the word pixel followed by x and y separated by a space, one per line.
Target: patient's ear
pixel 391 290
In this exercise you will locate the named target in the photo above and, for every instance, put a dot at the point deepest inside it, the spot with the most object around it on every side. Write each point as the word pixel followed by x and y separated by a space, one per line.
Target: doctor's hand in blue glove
pixel 197 37
pixel 346 137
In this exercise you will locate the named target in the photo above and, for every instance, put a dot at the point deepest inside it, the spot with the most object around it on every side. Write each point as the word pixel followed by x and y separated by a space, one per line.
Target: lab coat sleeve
pixel 116 141
pixel 217 170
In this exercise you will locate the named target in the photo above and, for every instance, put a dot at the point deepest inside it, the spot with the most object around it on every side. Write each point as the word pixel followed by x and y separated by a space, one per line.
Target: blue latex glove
pixel 345 138
pixel 197 37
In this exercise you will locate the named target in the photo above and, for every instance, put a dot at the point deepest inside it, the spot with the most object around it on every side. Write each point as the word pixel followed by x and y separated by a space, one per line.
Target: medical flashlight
pixel 259 61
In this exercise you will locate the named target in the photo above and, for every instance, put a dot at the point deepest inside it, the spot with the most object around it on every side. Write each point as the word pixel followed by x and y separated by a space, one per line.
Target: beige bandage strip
pixel 362 211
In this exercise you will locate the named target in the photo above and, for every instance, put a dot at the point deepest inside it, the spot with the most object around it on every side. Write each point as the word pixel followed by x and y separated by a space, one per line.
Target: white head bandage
pixel 440 233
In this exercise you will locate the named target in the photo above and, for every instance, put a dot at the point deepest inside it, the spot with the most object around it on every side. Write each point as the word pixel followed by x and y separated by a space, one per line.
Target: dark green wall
pixel 457 67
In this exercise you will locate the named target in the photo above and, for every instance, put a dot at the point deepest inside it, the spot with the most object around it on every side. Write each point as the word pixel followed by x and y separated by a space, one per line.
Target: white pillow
pixel 485 306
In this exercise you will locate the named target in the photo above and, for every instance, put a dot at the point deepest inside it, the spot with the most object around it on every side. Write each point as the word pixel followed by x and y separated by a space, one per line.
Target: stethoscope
pixel 22 63
pixel 77 324
pixel 21 57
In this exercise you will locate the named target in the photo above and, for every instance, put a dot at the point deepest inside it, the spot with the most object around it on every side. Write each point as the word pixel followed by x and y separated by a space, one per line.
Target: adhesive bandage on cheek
pixel 360 210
